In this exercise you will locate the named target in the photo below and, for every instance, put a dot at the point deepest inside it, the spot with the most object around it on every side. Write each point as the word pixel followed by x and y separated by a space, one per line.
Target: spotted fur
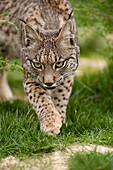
pixel 47 45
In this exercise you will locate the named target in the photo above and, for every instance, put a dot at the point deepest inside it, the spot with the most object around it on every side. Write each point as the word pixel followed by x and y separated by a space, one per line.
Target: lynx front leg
pixel 50 120
pixel 60 97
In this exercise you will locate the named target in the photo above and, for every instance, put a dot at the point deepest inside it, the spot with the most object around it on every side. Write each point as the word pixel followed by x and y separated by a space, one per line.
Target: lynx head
pixel 50 56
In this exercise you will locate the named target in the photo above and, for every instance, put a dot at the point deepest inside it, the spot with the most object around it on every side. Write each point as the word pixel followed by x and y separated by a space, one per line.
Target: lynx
pixel 47 45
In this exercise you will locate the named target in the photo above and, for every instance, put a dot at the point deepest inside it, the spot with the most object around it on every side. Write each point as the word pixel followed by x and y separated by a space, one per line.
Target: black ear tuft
pixel 70 14
pixel 22 20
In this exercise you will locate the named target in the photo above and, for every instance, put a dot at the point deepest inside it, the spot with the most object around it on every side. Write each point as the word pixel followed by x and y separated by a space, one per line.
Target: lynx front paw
pixel 51 124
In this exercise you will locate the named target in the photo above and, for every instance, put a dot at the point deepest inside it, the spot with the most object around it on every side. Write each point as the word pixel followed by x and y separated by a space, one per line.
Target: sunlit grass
pixel 91 161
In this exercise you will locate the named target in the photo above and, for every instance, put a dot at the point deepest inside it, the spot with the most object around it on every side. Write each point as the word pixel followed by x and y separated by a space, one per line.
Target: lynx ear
pixel 66 35
pixel 31 36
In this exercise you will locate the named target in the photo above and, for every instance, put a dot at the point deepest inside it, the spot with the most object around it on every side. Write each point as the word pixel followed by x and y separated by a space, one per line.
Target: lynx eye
pixel 37 65
pixel 59 64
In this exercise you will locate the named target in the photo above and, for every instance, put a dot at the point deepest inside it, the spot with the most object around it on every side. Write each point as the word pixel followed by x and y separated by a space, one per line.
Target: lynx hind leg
pixel 5 91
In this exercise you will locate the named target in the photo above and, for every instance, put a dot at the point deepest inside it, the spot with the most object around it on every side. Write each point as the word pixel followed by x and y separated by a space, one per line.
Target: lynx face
pixel 49 61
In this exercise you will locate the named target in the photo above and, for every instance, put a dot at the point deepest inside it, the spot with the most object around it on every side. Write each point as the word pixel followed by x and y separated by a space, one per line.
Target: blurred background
pixel 95 27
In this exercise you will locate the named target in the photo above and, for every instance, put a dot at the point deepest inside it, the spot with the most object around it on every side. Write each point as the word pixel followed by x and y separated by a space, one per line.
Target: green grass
pixel 92 97
pixel 91 161
pixel 15 80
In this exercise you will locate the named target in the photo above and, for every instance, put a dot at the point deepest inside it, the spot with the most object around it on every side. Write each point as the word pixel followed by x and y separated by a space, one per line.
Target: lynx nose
pixel 49 84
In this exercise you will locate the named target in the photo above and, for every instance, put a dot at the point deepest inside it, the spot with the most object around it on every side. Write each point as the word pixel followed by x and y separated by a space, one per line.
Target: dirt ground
pixel 57 160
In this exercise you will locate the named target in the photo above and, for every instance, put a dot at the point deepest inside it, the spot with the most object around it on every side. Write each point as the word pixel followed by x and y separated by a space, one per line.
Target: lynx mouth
pixel 50 88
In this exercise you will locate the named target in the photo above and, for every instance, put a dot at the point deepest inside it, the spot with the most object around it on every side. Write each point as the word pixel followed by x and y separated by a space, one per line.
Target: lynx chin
pixel 47 46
